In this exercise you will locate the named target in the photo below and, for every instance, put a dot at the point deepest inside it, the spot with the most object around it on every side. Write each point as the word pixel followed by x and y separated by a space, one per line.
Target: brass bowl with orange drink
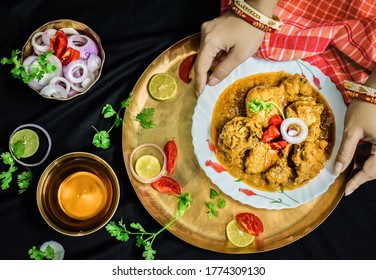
pixel 78 194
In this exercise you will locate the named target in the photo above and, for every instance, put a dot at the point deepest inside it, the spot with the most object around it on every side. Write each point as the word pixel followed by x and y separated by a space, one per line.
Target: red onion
pixel 47 34
pixel 38 45
pixel 60 81
pixel 294 139
pixel 94 62
pixel 54 90
pixel 76 71
pixel 84 44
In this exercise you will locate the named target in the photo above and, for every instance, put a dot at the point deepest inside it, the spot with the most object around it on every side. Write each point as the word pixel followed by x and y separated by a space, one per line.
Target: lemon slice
pixel 162 86
pixel 237 236
pixel 147 166
pixel 27 137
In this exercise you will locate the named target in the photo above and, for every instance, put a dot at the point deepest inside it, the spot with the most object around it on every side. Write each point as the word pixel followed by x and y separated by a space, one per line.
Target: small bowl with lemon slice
pixel 148 163
pixel 30 144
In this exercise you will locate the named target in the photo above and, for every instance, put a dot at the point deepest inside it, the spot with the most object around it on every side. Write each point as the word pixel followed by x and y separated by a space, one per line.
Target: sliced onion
pixel 60 81
pixel 76 71
pixel 47 34
pixel 54 90
pixel 69 31
pixel 38 45
pixel 94 62
pixel 84 44
pixel 298 138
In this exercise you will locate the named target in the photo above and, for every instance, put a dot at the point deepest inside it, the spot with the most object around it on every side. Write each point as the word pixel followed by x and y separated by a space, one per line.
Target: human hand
pixel 359 125
pixel 226 42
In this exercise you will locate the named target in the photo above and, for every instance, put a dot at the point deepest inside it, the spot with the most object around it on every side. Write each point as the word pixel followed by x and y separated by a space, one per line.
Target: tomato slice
pixel 275 120
pixel 270 134
pixel 58 43
pixel 279 145
pixel 167 185
pixel 171 152
pixel 185 68
pixel 250 223
pixel 69 55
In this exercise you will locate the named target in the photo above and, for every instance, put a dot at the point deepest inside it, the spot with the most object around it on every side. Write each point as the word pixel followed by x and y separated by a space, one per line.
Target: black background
pixel 133 34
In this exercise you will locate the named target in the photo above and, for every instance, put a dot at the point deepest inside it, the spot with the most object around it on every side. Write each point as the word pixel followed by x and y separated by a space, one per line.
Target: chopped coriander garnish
pixel 257 105
pixel 213 207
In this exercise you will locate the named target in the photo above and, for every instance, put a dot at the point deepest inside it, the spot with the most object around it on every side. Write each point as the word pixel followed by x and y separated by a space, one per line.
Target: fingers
pixel 202 65
pixel 367 173
pixel 347 149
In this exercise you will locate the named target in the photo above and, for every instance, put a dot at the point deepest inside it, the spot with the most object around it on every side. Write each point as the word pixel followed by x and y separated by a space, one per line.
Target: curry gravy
pixel 282 169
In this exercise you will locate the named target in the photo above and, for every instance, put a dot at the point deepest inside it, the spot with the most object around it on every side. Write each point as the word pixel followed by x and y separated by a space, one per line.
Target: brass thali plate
pixel 173 119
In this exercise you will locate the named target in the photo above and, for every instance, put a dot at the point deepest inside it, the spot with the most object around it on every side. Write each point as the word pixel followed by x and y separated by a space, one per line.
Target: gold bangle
pixel 359 88
pixel 255 17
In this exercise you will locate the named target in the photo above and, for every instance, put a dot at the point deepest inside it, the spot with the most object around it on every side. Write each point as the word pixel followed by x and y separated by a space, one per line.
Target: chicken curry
pixel 242 135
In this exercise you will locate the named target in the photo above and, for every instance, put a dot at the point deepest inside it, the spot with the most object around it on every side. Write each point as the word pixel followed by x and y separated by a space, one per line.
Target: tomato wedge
pixel 275 120
pixel 58 43
pixel 250 223
pixel 167 185
pixel 185 68
pixel 279 145
pixel 171 152
pixel 69 55
pixel 270 134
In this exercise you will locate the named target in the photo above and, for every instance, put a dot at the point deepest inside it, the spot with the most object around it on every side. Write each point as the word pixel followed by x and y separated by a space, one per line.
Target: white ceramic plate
pixel 201 122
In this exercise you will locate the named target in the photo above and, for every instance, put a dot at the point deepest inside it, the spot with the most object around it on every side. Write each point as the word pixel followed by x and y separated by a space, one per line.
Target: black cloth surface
pixel 133 34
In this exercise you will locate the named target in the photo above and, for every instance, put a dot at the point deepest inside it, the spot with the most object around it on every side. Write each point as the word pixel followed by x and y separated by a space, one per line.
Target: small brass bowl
pixel 78 193
pixel 82 29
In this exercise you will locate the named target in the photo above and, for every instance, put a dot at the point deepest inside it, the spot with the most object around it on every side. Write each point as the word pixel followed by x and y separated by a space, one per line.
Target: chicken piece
pixel 279 176
pixel 308 110
pixel 271 94
pixel 260 158
pixel 294 86
pixel 239 134
pixel 309 159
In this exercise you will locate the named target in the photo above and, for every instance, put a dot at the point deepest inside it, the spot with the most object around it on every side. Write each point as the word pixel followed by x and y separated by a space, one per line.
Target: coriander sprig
pixel 37 254
pixel 144 238
pixel 101 138
pixel 24 179
pixel 257 105
pixel 37 70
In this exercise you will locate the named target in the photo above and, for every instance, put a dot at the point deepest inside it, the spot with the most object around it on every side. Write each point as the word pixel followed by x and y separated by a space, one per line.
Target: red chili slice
pixel 58 43
pixel 250 223
pixel 171 152
pixel 185 68
pixel 270 134
pixel 167 185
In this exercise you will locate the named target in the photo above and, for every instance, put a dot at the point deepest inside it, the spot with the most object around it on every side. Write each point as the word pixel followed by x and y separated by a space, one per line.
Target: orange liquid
pixel 82 195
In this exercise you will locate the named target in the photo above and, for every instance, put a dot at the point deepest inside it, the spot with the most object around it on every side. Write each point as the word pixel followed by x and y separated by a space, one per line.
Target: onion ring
pixel 298 138
pixel 84 44
pixel 76 71
pixel 38 45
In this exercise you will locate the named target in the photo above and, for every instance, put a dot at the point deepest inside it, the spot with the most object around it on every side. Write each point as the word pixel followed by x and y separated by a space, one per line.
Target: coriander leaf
pixel 36 254
pixel 137 226
pixel 7 158
pixel 119 232
pixel 144 117
pixel 183 204
pixel 18 149
pixel 221 203
pixel 118 121
pixel 257 105
pixel 6 177
pixel 24 181
pixel 108 111
pixel 125 103
pixel 101 139
pixel 213 193
pixel 212 212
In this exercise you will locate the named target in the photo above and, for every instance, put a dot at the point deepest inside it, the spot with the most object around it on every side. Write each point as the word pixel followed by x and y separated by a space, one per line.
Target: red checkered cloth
pixel 339 37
